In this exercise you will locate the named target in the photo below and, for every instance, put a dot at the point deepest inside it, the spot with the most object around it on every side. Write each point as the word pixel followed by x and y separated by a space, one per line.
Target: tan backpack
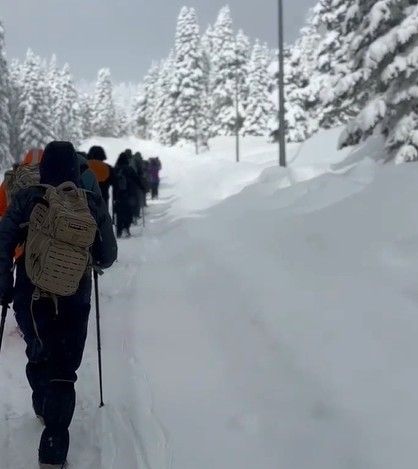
pixel 20 178
pixel 61 232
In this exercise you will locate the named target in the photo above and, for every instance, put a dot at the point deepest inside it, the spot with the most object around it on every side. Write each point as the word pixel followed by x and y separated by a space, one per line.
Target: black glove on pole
pixel 5 307
pixel 99 342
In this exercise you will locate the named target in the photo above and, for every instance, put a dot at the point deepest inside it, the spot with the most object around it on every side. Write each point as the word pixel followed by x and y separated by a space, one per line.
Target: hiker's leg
pixel 119 223
pixel 129 218
pixel 36 368
pixel 38 377
pixel 66 344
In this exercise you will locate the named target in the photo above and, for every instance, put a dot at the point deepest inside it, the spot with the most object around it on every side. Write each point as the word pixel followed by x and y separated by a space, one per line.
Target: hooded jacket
pixel 54 170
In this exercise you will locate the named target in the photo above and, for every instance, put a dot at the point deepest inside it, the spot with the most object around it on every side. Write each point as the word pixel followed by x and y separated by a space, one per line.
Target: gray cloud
pixel 126 35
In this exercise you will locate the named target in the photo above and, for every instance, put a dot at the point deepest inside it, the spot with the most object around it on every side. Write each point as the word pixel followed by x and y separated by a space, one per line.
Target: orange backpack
pixel 101 170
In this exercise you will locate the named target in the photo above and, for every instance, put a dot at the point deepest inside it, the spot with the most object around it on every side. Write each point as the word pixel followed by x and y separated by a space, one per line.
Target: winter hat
pixel 60 164
pixel 97 153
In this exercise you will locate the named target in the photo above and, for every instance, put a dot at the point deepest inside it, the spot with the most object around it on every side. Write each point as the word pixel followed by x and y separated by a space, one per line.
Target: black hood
pixel 60 164
pixel 123 160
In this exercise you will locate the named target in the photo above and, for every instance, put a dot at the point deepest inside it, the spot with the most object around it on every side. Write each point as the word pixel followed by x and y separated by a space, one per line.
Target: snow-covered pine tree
pixel 334 61
pixel 302 86
pixel 164 127
pixel 86 116
pixel 139 110
pixel 260 107
pixel 207 46
pixel 190 81
pixel 222 87
pixel 54 85
pixel 37 128
pixel 15 109
pixel 242 64
pixel 67 114
pixel 5 155
pixel 144 107
pixel 122 122
pixel 296 117
pixel 386 75
pixel 207 41
pixel 104 114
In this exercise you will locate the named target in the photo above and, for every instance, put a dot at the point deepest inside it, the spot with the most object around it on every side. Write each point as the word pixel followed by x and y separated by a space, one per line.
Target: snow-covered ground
pixel 264 319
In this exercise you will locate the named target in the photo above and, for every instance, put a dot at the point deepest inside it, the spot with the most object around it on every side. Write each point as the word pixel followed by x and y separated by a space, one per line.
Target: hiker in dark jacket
pixel 136 162
pixel 154 176
pixel 145 169
pixel 104 172
pixel 55 337
pixel 127 184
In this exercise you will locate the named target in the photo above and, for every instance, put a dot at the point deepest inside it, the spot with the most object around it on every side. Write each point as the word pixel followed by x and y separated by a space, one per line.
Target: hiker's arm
pixel 10 237
pixel 105 249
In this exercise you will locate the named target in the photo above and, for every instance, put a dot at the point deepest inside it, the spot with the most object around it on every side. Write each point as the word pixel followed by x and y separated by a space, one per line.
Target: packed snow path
pixel 251 325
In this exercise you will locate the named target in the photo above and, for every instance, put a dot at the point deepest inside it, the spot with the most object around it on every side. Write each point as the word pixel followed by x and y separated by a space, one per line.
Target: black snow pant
pixel 55 342
pixel 137 203
pixel 124 215
pixel 154 190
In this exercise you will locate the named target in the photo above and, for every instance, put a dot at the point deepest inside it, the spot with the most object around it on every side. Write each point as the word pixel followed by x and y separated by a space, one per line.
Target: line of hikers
pixel 131 179
pixel 55 230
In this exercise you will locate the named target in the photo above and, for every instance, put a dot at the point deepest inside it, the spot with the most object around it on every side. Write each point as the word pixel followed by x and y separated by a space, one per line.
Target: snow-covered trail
pixel 263 319
pixel 229 394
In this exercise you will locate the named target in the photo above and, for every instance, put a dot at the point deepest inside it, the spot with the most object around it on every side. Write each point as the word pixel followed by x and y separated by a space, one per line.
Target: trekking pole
pixel 143 211
pixel 3 322
pixel 99 342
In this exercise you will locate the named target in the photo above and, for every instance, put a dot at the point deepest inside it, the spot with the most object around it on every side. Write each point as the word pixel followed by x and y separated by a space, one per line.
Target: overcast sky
pixel 126 35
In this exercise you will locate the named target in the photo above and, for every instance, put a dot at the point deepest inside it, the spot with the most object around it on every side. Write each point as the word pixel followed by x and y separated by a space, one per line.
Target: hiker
pixel 9 186
pixel 145 170
pixel 127 184
pixel 155 167
pixel 54 327
pixel 136 162
pixel 96 158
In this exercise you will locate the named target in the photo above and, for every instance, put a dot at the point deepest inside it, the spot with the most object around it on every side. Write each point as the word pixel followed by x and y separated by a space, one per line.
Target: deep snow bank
pixel 286 332
pixel 196 182
pixel 278 328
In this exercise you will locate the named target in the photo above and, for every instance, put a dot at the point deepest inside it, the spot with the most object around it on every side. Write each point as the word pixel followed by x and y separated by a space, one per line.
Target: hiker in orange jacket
pixel 104 173
pixel 33 157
